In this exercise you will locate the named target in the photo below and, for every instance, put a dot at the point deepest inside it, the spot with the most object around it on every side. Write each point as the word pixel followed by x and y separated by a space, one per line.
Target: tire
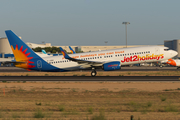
pixel 93 73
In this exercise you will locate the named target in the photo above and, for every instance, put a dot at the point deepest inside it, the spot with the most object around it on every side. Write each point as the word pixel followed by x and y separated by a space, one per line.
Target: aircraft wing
pixel 8 60
pixel 79 61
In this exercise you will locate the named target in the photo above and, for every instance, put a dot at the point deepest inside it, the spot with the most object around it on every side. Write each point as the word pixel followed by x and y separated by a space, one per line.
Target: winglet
pixel 64 53
pixel 72 51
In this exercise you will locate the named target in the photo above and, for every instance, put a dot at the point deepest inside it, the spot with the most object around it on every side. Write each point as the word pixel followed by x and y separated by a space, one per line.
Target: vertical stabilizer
pixel 21 51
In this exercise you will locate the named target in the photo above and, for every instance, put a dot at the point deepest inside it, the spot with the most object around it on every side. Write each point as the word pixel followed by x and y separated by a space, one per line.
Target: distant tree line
pixel 48 49
pixel 51 50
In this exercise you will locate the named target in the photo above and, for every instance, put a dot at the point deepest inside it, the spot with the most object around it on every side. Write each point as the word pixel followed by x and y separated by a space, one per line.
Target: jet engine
pixel 111 66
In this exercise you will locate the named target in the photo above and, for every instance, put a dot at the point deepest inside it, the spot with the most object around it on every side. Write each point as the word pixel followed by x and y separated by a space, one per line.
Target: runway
pixel 89 79
pixel 15 69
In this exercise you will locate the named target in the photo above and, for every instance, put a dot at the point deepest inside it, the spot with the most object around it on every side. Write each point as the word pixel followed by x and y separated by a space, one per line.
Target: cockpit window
pixel 166 49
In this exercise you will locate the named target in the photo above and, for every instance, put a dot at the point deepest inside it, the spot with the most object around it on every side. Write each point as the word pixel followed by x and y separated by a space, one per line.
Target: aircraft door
pixel 157 51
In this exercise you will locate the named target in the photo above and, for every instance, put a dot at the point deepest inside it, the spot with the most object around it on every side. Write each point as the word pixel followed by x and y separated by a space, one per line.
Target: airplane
pixel 11 60
pixel 108 60
pixel 174 62
pixel 43 54
pixel 72 51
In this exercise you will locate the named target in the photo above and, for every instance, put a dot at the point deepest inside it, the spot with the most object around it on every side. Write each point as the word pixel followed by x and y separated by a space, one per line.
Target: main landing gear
pixel 93 73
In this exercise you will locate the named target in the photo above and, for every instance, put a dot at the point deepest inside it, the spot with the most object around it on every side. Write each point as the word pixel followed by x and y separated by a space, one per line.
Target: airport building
pixel 173 45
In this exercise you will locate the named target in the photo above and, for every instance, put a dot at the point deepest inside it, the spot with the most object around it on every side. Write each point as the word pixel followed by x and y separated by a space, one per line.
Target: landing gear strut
pixel 93 73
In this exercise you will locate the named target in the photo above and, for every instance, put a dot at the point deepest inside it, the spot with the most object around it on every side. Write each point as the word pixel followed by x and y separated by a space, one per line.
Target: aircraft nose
pixel 174 53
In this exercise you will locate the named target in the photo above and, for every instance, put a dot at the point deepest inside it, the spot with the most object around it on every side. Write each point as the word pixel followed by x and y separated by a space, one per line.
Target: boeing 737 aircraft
pixel 107 60
pixel 173 62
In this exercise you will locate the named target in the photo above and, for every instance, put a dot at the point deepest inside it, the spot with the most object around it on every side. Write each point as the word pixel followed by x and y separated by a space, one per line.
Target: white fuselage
pixel 125 56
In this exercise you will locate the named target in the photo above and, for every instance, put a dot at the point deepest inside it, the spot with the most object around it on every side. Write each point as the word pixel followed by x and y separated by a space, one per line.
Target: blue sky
pixel 91 22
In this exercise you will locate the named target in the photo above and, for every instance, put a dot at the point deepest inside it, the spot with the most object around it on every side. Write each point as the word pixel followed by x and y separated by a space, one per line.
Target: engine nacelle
pixel 112 66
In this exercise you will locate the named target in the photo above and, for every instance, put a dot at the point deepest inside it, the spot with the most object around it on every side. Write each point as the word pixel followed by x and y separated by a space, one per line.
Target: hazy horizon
pixel 91 22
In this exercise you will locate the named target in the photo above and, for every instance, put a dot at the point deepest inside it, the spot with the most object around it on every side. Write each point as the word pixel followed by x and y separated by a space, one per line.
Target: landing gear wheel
pixel 160 66
pixel 93 73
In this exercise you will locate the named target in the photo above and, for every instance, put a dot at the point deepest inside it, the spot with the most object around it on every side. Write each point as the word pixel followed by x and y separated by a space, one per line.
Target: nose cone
pixel 174 53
